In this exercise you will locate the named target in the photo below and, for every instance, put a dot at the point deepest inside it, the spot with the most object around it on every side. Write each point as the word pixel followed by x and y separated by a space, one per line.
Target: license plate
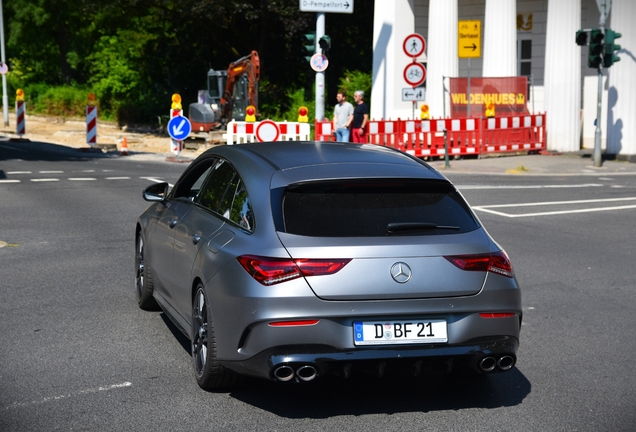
pixel 399 332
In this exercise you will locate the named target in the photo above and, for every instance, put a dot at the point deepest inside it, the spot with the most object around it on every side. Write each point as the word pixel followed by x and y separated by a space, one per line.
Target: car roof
pixel 284 155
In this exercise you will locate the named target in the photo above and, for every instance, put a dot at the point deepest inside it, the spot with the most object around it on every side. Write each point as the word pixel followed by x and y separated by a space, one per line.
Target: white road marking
pixel 81 178
pixel 45 180
pixel 488 208
pixel 51 172
pixel 66 396
pixel 485 187
pixel 156 180
pixel 9 181
pixel 117 178
pixel 152 179
pixel 87 171
pixel 18 172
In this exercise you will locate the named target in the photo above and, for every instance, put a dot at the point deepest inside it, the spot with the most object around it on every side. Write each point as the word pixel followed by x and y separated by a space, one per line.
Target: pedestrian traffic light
pixel 595 54
pixel 609 51
pixel 581 37
pixel 325 43
pixel 309 45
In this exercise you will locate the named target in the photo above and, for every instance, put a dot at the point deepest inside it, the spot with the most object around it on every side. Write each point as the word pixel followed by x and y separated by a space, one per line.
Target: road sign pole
pixel 320 76
pixel 597 135
pixel 468 90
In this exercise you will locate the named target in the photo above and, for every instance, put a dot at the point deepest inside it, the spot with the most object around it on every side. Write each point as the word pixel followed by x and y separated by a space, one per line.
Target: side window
pixel 224 193
pixel 218 192
pixel 242 213
pixel 189 186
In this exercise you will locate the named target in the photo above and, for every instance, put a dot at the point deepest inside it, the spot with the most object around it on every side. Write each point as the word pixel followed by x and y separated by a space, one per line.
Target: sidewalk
pixel 566 164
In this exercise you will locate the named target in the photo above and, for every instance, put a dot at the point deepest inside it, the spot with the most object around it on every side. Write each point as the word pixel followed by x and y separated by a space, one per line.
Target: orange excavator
pixel 228 95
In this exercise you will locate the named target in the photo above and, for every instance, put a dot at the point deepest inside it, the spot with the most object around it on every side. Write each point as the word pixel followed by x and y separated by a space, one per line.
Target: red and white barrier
pixel 464 136
pixel 240 132
pixel 20 114
pixel 91 125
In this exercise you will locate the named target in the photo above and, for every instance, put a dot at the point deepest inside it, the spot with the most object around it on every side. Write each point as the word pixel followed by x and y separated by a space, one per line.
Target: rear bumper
pixel 479 355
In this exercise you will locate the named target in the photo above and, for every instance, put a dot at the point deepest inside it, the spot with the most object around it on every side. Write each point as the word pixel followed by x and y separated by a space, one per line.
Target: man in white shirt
pixel 342 117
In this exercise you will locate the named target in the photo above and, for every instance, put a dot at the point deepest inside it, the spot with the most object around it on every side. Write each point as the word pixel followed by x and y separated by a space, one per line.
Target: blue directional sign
pixel 179 127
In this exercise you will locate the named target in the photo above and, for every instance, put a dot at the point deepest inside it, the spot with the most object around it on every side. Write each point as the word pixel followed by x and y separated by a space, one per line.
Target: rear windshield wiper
pixel 416 226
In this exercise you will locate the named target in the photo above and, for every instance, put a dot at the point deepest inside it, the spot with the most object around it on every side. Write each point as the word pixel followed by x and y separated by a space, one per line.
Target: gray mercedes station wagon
pixel 293 260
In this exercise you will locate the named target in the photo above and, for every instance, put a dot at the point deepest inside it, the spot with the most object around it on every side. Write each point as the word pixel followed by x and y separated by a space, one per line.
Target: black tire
pixel 143 280
pixel 209 373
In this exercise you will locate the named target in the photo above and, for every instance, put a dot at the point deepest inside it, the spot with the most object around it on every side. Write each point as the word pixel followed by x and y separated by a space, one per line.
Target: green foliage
pixel 63 101
pixel 120 87
pixel 356 80
pixel 135 54
pixel 297 100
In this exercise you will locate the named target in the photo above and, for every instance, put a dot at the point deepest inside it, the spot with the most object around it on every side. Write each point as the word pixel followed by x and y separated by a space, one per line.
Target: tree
pixel 135 53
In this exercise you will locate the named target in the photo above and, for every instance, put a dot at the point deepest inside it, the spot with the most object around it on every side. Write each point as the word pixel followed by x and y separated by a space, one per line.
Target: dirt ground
pixel 72 133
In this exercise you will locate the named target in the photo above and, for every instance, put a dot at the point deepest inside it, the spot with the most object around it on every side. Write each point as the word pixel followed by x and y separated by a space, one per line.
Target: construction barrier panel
pixel 91 125
pixel 464 136
pixel 240 132
pixel 20 118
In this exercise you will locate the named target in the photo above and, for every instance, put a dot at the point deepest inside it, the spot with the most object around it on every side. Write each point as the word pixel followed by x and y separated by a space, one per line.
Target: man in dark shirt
pixel 360 118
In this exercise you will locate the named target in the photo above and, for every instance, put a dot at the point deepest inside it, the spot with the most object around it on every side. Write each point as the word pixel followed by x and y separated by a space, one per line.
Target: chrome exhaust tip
pixel 284 373
pixel 306 373
pixel 506 362
pixel 487 364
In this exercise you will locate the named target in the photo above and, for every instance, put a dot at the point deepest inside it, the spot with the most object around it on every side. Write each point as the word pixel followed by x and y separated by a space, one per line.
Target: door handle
pixel 196 238
pixel 173 222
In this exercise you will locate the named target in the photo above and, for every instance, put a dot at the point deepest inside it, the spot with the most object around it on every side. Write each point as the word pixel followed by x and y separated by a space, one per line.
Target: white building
pixel 519 37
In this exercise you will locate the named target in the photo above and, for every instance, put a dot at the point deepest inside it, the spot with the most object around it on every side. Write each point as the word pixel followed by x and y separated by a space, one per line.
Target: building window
pixel 524 57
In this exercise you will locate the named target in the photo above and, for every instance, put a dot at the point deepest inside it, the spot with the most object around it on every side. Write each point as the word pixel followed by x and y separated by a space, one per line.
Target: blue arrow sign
pixel 179 127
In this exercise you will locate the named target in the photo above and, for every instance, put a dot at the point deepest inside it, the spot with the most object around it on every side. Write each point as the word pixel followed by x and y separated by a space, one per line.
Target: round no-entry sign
pixel 414 45
pixel 267 130
pixel 414 74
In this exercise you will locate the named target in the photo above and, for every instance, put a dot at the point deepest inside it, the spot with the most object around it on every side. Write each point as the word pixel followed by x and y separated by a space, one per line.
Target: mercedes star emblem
pixel 401 272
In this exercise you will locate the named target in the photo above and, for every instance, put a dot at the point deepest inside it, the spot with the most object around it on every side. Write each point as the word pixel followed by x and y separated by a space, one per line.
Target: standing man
pixel 342 117
pixel 360 117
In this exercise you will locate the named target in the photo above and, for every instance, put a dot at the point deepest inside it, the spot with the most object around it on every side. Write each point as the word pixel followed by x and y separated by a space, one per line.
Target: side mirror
pixel 156 192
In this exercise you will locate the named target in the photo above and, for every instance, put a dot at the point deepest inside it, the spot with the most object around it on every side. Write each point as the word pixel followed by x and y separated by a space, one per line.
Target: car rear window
pixel 372 208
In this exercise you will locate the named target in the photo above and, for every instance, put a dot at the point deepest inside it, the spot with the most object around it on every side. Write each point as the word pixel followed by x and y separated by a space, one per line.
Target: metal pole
pixel 444 94
pixel 5 96
pixel 320 76
pixel 446 163
pixel 468 95
pixel 597 136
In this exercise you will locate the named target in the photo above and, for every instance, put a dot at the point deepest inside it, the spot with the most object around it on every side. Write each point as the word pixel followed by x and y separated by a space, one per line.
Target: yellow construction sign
pixel 469 39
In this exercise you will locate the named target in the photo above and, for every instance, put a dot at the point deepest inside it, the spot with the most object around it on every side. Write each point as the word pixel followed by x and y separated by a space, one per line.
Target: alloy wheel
pixel 200 336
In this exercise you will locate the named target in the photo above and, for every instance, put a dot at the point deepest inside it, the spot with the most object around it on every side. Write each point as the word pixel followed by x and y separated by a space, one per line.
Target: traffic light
pixel 609 51
pixel 309 45
pixel 581 37
pixel 325 43
pixel 595 54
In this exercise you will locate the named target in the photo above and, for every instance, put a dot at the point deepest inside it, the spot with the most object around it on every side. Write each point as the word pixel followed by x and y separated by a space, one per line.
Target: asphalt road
pixel 76 353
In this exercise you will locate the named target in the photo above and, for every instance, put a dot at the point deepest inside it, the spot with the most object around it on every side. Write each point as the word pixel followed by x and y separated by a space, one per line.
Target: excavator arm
pixel 250 67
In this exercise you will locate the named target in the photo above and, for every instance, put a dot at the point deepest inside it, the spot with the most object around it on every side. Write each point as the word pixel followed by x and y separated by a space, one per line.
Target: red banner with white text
pixel 509 96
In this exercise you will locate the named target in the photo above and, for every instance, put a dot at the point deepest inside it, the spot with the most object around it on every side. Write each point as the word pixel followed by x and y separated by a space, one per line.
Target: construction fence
pixel 464 136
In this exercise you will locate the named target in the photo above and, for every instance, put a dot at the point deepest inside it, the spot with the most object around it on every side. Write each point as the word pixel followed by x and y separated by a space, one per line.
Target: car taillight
pixel 270 271
pixel 497 262
pixel 497 314
pixel 299 323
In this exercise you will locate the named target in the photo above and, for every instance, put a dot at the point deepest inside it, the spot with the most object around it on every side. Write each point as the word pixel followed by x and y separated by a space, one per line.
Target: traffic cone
pixel 124 147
